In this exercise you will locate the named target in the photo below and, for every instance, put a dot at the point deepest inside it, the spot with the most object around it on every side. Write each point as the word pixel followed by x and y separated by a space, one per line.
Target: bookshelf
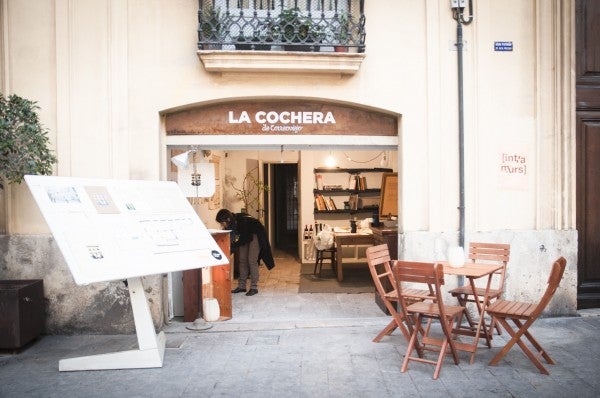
pixel 346 194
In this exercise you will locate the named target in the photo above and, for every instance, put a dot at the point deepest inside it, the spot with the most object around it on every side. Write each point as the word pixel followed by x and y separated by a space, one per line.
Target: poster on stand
pixel 118 229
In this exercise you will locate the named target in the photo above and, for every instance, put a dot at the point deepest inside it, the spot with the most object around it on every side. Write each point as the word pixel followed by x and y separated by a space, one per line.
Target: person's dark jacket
pixel 243 229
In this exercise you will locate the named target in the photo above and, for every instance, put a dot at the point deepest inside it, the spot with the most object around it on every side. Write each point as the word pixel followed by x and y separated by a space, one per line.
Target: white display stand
pixel 119 229
pixel 151 346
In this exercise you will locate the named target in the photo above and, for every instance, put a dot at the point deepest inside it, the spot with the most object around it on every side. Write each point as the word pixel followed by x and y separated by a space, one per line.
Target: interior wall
pixel 232 166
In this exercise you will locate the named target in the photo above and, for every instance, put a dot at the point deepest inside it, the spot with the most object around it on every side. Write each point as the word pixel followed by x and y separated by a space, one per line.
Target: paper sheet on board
pixel 118 229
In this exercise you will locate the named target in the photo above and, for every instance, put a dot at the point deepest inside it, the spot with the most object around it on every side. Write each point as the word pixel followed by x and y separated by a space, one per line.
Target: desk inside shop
pixel 350 247
pixel 347 200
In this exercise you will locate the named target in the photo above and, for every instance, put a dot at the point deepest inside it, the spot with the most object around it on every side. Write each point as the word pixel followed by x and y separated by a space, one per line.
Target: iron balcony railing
pixel 282 25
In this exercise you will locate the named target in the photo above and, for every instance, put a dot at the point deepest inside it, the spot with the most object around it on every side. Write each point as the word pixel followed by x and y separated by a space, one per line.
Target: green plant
pixel 341 32
pixel 250 192
pixel 212 25
pixel 23 141
pixel 292 27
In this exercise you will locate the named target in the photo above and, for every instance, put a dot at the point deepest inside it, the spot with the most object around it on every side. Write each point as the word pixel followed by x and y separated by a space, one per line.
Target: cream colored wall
pixel 102 71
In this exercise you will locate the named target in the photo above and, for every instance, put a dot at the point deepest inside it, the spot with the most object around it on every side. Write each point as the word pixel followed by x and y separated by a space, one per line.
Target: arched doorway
pixel 270 130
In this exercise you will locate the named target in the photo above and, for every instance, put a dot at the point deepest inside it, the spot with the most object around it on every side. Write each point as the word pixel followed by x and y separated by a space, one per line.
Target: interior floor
pixel 278 301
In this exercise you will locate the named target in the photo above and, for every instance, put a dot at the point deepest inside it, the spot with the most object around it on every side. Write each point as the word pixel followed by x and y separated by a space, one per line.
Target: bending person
pixel 249 237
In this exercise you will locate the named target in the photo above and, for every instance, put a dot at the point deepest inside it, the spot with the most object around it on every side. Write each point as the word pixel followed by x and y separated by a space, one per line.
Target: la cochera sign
pixel 280 117
pixel 284 121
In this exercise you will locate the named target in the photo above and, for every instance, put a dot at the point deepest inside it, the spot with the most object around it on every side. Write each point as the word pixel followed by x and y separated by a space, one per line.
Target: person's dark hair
pixel 224 215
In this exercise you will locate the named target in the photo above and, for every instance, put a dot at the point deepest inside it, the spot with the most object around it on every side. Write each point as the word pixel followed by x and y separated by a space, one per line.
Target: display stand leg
pixel 151 346
pixel 199 324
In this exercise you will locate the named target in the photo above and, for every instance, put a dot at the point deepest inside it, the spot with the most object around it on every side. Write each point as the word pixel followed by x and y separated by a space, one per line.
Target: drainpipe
pixel 458 8
pixel 461 136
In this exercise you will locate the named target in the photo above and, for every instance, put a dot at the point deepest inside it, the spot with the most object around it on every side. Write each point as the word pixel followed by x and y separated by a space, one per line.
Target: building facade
pixel 122 85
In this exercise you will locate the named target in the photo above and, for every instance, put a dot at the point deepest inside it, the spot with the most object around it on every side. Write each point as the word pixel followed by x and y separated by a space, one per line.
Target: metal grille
pixel 276 25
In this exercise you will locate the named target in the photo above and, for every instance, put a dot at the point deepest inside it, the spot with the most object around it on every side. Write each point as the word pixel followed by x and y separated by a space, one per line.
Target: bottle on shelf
pixel 310 244
pixel 306 232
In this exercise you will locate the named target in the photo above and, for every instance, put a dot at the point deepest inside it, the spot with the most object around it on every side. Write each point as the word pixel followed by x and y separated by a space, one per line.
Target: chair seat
pixel 420 294
pixel 411 294
pixel 511 309
pixel 432 309
pixel 466 290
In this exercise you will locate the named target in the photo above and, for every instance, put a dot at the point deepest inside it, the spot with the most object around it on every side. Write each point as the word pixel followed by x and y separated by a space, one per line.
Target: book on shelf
pixel 319 181
pixel 362 183
pixel 331 187
pixel 352 182
pixel 353 202
pixel 332 205
pixel 320 203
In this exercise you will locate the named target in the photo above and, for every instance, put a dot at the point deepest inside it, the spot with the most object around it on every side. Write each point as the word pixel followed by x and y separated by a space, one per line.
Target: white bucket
pixel 456 256
pixel 210 309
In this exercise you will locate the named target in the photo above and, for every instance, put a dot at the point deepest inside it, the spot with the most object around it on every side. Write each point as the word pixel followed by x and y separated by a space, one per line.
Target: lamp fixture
pixel 330 160
pixel 200 181
pixel 182 160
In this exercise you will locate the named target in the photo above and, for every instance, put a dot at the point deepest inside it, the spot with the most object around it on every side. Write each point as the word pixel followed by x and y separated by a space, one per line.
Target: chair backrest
pixel 378 258
pixel 558 269
pixel 429 274
pixel 484 252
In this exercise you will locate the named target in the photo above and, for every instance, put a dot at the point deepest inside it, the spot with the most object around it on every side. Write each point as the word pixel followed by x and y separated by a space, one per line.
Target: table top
pixel 348 238
pixel 352 234
pixel 471 270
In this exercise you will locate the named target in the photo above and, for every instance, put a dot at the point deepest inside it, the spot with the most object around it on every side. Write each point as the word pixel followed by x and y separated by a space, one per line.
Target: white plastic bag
pixel 324 239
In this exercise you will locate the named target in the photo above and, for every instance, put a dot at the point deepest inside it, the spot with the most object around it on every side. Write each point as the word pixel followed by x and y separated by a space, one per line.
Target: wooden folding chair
pixel 434 308
pixel 485 253
pixel 523 315
pixel 378 258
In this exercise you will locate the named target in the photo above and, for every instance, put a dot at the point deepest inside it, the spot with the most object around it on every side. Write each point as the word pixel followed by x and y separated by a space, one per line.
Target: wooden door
pixel 588 152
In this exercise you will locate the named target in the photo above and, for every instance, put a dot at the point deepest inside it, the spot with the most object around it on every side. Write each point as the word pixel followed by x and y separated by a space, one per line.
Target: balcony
pixel 325 36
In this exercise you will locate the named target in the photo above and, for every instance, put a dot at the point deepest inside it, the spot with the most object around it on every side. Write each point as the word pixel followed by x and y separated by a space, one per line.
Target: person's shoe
pixel 252 292
pixel 238 290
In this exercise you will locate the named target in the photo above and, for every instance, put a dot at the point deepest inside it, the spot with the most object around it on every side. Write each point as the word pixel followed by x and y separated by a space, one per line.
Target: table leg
pixel 481 306
pixel 338 260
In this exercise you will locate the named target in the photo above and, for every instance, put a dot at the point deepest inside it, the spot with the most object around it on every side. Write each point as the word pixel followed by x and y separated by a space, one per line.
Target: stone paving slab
pixel 284 344
pixel 310 358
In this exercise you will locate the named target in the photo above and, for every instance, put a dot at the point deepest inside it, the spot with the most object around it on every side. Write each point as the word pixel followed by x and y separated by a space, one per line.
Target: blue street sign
pixel 503 46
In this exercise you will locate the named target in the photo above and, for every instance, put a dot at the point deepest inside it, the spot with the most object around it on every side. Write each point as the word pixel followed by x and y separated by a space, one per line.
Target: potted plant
pixel 23 141
pixel 259 40
pixel 300 32
pixel 212 28
pixel 342 33
pixel 23 150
